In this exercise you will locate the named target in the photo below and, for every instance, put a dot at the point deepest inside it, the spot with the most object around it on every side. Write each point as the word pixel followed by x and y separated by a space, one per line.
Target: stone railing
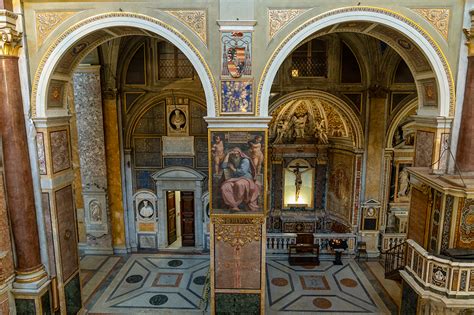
pixel 390 240
pixel 443 276
pixel 278 243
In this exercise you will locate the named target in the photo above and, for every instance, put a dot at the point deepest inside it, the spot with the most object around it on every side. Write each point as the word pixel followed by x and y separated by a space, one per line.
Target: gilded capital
pixel 10 42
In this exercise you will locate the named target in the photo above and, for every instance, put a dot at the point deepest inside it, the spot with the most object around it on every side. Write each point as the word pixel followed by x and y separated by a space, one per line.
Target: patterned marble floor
pixel 326 288
pixel 173 284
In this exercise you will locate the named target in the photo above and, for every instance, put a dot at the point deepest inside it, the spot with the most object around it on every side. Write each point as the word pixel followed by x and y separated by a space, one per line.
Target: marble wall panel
pixel 41 153
pixel 238 267
pixel 466 225
pixel 234 303
pixel 4 304
pixel 409 300
pixel 424 148
pixel 60 150
pixel 320 188
pixel 48 225
pixel 67 231
pixel 340 186
pixel 72 292
pixel 418 215
pixel 448 214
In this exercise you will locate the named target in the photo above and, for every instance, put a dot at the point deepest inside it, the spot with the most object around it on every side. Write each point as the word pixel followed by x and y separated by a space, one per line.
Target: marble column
pixel 114 174
pixel 18 175
pixel 465 149
pixel 91 142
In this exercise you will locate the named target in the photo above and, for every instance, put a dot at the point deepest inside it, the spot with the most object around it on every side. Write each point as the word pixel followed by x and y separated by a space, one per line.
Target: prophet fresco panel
pixel 236 53
pixel 340 190
pixel 237 162
pixel 237 97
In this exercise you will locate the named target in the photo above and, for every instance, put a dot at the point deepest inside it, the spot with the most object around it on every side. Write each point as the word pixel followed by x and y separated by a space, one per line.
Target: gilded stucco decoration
pixel 236 233
pixel 438 17
pixel 279 18
pixel 196 20
pixel 48 21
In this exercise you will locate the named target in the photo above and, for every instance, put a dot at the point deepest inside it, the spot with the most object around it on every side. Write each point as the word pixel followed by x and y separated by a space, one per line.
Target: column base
pixel 32 280
pixel 33 300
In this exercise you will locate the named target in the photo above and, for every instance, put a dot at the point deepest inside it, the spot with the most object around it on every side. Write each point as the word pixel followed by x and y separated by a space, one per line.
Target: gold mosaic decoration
pixel 236 234
pixel 438 17
pixel 196 20
pixel 46 22
pixel 279 18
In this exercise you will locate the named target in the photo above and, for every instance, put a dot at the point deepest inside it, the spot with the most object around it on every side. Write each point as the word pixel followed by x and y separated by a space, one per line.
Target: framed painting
pixel 237 97
pixel 236 53
pixel 237 161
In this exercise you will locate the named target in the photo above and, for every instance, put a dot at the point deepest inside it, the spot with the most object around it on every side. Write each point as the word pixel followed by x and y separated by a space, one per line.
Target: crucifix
pixel 298 179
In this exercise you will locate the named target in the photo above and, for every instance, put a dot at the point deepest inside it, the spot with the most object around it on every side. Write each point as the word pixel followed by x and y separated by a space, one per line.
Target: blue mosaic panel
pixel 189 162
pixel 147 152
pixel 143 179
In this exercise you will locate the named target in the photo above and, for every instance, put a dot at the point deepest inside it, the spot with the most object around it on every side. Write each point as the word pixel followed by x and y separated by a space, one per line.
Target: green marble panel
pixel 46 304
pixel 72 291
pixel 234 303
pixel 25 306
pixel 409 300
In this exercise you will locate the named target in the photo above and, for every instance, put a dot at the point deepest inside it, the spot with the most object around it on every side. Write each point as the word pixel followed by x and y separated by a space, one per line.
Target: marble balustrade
pixel 278 243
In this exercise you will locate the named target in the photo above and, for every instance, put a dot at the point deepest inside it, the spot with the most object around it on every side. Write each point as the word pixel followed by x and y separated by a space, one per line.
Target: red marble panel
pixel 6 261
pixel 49 232
pixel 237 267
pixel 60 150
pixel 424 148
pixel 67 231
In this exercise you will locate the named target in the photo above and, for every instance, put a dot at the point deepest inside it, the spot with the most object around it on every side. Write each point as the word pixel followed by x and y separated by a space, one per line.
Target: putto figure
pixel 256 153
pixel 218 154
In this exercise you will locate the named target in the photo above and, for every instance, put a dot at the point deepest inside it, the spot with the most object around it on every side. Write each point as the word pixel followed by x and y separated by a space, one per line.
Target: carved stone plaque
pixel 178 146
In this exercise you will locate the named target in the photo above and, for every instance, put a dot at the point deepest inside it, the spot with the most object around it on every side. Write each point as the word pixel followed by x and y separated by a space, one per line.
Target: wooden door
pixel 187 218
pixel 171 209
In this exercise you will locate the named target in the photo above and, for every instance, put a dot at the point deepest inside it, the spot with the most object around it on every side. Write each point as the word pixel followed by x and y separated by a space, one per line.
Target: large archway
pixel 124 24
pixel 393 24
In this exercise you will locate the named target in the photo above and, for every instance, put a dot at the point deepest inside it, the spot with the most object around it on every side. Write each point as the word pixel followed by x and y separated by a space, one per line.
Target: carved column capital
pixel 10 42
pixel 469 33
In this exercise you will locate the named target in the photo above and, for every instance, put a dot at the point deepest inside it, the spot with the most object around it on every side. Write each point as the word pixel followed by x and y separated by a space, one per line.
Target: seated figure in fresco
pixel 239 189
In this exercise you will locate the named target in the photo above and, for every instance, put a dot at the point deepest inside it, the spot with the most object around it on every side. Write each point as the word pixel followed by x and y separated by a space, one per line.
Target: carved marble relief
pixel 48 21
pixel 438 17
pixel 41 153
pixel 59 141
pixel 279 18
pixel 196 20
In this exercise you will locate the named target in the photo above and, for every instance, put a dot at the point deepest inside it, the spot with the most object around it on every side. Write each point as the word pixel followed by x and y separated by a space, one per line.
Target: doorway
pixel 180 218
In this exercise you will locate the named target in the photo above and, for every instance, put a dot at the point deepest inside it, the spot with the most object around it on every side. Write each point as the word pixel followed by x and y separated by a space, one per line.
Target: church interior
pixel 236 157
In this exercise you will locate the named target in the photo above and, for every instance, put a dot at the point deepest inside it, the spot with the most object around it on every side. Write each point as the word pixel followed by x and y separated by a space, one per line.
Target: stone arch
pixel 327 22
pixel 410 106
pixel 340 105
pixel 102 22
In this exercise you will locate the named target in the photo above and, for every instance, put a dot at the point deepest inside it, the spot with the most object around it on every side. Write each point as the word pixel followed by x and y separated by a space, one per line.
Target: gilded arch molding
pixel 38 98
pixel 325 20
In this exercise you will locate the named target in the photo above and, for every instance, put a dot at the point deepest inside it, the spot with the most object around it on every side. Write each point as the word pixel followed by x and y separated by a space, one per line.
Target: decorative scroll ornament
pixel 279 18
pixel 238 235
pixel 438 17
pixel 46 22
pixel 10 43
pixel 196 20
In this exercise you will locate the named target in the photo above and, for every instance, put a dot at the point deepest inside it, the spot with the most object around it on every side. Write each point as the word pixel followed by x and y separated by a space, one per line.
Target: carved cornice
pixel 48 21
pixel 235 234
pixel 279 18
pixel 196 20
pixel 438 17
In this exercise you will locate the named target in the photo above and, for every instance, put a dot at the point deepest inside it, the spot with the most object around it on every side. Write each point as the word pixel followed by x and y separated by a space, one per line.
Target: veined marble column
pixel 17 165
pixel 114 175
pixel 88 104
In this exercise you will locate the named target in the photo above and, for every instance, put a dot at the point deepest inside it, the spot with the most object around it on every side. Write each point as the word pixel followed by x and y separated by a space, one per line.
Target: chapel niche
pixel 312 149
